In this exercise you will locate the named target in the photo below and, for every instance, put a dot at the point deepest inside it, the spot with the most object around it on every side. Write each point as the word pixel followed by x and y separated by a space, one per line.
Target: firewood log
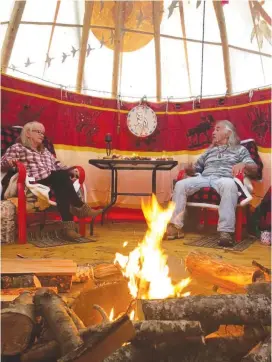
pixel 260 353
pixel 130 353
pixel 102 345
pixel 19 281
pixel 78 322
pixel 53 309
pixel 146 332
pixel 221 309
pixel 216 349
pixel 259 288
pixel 18 325
pixel 18 291
pixel 42 352
pixel 164 331
pixel 205 267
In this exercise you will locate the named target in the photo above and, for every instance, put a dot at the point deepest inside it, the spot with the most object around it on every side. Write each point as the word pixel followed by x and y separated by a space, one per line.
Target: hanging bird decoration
pixel 172 7
pixel 101 5
pixel 140 18
pixel 28 63
pixel 73 51
pixel 261 31
pixel 89 49
pixel 48 60
pixel 64 56
pixel 13 67
pixel 111 38
pixel 102 41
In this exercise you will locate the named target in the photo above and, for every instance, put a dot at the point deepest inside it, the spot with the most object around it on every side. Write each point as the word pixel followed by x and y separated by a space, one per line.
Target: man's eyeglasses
pixel 37 131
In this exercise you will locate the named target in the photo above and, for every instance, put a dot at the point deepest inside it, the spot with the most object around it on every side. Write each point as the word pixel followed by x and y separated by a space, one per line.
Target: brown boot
pixel 226 239
pixel 84 211
pixel 173 232
pixel 70 230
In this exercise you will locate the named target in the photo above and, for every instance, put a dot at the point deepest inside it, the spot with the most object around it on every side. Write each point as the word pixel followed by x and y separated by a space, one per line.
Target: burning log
pixel 101 345
pixel 259 288
pixel 261 267
pixel 221 309
pixel 205 267
pixel 260 353
pixel 20 281
pixel 53 309
pixel 20 313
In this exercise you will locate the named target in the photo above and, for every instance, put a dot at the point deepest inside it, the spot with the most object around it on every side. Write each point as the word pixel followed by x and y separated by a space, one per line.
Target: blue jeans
pixel 225 187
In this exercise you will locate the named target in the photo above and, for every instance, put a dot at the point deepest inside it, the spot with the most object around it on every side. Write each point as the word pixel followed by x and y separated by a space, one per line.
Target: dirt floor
pixel 110 239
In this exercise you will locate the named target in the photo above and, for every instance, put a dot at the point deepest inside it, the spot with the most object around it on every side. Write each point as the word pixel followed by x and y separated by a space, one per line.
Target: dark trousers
pixel 62 185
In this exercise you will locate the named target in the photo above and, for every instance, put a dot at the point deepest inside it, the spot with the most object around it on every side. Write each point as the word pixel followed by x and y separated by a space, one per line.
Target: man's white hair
pixel 234 139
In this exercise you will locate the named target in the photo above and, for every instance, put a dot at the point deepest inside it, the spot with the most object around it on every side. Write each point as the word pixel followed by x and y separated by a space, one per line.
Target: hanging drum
pixel 142 121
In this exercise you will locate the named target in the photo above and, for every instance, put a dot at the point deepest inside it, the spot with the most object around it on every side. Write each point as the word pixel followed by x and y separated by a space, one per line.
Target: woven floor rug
pixel 211 241
pixel 52 235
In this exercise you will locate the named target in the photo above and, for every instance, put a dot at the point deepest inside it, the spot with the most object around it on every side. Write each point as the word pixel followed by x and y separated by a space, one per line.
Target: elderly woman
pixel 45 169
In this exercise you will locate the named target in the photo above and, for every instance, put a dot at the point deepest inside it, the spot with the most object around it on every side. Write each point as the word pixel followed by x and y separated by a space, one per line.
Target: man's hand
pixel 189 169
pixel 12 163
pixel 238 168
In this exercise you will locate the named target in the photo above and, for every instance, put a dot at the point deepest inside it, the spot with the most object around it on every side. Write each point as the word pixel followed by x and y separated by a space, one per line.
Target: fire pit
pixel 170 323
pixel 141 314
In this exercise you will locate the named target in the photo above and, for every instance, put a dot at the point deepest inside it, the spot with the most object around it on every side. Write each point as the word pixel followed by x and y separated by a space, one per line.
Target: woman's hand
pixel 12 162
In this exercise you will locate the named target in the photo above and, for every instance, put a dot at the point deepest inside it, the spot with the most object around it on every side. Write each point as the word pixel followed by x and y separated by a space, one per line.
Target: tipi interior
pixel 129 92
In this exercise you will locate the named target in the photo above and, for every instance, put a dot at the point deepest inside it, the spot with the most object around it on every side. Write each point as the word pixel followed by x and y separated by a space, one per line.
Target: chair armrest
pixel 21 173
pixel 81 173
pixel 181 175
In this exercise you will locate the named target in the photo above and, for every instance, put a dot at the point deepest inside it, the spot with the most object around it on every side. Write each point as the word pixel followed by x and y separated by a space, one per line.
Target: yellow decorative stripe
pixel 126 111
pixel 62 147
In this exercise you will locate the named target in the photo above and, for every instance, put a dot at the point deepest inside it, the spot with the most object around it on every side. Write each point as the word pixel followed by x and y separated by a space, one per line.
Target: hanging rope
pixel 202 52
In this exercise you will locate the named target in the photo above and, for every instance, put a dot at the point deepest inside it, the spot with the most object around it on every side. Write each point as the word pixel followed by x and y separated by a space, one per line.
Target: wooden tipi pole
pixel 225 45
pixel 118 45
pixel 157 22
pixel 83 45
pixel 10 36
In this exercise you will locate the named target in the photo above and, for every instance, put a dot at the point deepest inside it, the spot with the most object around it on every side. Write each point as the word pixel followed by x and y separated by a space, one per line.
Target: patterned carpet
pixel 211 241
pixel 52 235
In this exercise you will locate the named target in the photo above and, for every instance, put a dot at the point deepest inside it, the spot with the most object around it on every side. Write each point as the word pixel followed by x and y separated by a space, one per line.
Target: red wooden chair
pixel 207 198
pixel 9 135
pixel 22 203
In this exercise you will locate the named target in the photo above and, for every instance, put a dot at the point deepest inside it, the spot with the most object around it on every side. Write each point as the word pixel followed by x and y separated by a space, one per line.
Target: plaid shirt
pixel 39 165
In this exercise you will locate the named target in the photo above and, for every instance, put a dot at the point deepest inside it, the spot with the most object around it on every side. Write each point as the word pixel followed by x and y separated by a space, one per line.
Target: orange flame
pixel 111 316
pixel 146 266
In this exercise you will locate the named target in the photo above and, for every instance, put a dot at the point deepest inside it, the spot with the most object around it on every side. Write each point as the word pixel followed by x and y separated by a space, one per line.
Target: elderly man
pixel 216 168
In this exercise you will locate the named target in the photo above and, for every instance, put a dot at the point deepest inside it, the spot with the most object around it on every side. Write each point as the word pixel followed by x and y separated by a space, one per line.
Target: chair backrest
pixel 9 136
pixel 251 146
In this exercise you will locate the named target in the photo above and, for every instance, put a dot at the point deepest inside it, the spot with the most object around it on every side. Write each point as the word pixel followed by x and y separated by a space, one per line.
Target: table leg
pixel 154 181
pixel 114 185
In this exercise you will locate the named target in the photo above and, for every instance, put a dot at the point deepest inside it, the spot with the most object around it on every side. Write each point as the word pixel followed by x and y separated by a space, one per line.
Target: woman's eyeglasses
pixel 37 131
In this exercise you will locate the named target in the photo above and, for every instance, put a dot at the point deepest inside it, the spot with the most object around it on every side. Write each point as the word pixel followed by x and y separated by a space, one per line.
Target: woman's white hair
pixel 25 140
pixel 234 139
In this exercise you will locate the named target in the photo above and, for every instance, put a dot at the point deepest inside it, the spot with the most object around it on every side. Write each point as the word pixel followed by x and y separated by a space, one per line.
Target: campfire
pixel 147 316
pixel 146 266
